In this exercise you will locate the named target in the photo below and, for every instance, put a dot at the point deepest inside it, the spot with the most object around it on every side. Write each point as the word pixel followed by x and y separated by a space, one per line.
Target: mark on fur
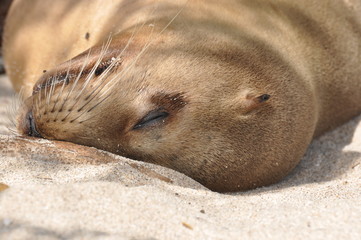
pixel 171 102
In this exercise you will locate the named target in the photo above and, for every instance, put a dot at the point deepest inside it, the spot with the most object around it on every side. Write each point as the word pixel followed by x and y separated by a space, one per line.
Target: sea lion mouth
pixel 30 126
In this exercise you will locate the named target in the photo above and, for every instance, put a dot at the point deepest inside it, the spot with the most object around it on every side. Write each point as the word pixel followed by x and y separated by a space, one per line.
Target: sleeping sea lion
pixel 228 92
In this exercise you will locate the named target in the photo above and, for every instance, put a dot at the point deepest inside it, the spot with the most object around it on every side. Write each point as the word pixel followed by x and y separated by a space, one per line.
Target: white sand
pixel 124 199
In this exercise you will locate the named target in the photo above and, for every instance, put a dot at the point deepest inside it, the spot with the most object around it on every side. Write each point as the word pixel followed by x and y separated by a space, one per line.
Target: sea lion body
pixel 228 92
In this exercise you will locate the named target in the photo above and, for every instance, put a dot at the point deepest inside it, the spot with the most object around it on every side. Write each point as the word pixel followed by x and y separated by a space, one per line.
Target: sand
pixel 48 198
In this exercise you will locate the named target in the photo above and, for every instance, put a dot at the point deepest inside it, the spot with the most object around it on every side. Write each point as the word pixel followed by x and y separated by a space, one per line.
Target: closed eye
pixel 152 118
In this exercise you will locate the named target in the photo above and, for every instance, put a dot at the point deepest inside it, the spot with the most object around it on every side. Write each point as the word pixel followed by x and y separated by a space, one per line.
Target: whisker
pixel 45 95
pixel 112 81
pixel 77 79
pixel 103 76
pixel 63 85
pixel 146 46
pixel 101 101
pixel 88 111
pixel 91 74
pixel 135 31
pixel 37 103
pixel 12 110
pixel 52 86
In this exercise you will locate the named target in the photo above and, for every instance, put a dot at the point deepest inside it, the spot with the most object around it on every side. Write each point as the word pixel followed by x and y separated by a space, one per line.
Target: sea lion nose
pixel 30 125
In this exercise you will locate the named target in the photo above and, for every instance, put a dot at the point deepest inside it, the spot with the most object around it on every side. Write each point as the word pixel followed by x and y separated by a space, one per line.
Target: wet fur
pixel 208 64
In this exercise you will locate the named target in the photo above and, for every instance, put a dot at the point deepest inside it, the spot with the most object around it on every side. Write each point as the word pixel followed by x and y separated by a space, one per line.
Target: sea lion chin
pixel 221 99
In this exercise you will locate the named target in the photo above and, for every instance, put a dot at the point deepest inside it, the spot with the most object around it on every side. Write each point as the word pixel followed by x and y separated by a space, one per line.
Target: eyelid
pixel 151 118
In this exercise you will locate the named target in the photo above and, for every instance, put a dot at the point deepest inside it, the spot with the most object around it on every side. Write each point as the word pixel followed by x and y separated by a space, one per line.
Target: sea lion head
pixel 230 114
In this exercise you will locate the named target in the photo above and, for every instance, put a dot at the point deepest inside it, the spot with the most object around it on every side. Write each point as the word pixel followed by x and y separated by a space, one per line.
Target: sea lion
pixel 228 92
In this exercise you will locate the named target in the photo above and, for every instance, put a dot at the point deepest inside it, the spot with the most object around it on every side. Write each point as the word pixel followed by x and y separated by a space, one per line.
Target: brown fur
pixel 209 70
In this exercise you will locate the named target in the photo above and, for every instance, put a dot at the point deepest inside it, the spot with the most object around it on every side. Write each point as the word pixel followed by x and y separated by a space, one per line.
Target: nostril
pixel 31 125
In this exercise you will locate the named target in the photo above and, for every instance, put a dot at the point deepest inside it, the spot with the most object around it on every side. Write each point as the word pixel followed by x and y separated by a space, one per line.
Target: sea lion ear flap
pixel 252 101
